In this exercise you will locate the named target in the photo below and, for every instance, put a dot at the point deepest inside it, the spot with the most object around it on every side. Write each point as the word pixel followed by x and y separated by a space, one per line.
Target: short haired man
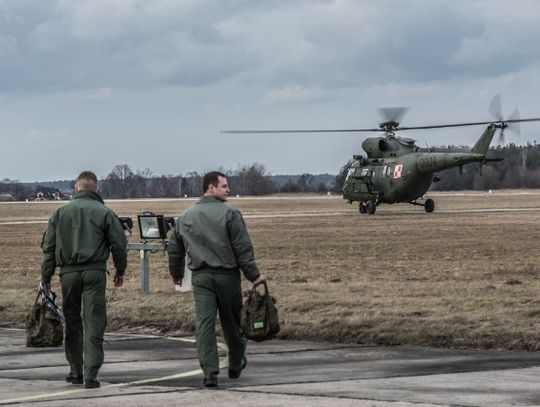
pixel 214 236
pixel 79 238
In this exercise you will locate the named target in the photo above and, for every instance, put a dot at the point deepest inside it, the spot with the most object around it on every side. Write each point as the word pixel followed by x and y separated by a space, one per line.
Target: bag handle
pixel 49 299
pixel 254 290
pixel 40 292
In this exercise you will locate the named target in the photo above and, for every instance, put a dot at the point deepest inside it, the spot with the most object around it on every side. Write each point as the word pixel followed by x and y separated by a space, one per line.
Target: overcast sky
pixel 89 84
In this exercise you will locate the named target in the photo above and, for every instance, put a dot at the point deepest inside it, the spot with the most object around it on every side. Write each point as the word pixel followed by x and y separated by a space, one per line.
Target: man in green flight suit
pixel 214 236
pixel 79 238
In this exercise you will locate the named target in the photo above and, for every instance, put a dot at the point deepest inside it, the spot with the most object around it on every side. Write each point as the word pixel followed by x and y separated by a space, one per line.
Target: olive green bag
pixel 259 317
pixel 44 327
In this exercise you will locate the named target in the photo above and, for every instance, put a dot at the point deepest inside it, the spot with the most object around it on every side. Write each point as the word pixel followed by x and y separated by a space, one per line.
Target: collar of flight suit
pixel 85 193
pixel 208 198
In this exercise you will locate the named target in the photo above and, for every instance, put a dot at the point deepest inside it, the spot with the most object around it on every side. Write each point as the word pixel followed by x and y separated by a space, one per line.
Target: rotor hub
pixel 389 125
pixel 389 128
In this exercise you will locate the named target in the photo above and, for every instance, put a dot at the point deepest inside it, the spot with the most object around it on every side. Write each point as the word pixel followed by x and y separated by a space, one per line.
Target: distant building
pixel 6 198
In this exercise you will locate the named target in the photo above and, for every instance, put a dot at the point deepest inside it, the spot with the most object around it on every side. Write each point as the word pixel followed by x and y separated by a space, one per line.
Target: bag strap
pixel 37 297
pixel 40 293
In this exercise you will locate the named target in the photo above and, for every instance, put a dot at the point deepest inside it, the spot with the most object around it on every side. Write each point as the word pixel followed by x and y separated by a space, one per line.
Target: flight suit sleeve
pixel 177 253
pixel 48 245
pixel 118 241
pixel 241 245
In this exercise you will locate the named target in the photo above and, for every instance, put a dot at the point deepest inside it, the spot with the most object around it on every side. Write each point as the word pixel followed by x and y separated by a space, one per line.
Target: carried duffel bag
pixel 44 327
pixel 259 317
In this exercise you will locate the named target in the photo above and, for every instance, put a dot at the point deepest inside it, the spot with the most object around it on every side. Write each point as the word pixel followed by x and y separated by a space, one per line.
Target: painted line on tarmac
pixel 222 364
pixel 23 222
pixel 489 210
pixel 320 214
pixel 180 199
pixel 293 215
pixel 251 216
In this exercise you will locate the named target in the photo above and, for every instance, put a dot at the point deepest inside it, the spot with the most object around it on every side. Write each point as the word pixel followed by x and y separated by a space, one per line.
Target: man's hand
pixel 177 280
pixel 261 279
pixel 118 280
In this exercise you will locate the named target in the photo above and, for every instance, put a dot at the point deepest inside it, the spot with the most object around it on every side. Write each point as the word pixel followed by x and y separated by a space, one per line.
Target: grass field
pixel 464 276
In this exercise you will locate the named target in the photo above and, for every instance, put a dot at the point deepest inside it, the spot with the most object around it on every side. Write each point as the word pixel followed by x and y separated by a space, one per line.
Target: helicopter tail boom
pixel 482 145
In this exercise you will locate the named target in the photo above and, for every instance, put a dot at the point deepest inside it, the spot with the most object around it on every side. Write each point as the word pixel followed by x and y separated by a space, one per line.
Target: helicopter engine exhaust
pixel 377 147
pixel 387 145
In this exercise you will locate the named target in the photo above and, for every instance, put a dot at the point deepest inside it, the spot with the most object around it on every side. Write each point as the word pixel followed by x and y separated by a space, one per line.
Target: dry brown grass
pixel 460 279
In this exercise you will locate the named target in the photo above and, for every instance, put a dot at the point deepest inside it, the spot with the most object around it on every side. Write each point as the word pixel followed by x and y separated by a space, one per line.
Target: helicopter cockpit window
pixel 365 172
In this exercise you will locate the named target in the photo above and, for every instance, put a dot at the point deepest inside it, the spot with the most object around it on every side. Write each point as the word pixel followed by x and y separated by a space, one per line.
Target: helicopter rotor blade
pixel 514 122
pixel 495 107
pixel 376 130
pixel 300 131
pixel 440 126
pixel 500 140
pixel 393 114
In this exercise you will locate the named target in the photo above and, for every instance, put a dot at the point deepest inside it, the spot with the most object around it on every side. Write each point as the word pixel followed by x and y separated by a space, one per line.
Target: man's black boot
pixel 210 380
pixel 235 374
pixel 74 378
pixel 91 384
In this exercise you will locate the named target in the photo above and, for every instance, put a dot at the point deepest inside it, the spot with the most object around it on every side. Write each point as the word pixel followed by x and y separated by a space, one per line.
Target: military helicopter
pixel 396 170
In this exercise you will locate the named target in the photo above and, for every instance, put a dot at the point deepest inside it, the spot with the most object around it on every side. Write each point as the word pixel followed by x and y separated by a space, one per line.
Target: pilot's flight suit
pixel 214 236
pixel 79 237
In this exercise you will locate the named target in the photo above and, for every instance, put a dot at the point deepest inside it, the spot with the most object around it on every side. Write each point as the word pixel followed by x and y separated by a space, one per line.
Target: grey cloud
pixel 351 46
pixel 54 45
pixel 364 43
pixel 69 47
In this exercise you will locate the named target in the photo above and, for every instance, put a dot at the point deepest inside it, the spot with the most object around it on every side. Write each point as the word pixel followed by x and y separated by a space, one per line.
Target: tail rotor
pixel 512 123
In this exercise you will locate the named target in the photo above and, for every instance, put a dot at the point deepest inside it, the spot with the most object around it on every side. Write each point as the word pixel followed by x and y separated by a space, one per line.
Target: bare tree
pixel 251 179
pixel 141 180
pixel 193 184
pixel 304 182
pixel 120 181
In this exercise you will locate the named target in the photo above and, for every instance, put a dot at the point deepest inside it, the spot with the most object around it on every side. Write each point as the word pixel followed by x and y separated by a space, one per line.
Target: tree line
pixel 519 169
pixel 122 182
pixel 250 179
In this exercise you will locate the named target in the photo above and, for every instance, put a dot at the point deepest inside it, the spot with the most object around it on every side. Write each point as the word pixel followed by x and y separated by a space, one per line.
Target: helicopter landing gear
pixel 429 205
pixel 370 207
pixel 362 207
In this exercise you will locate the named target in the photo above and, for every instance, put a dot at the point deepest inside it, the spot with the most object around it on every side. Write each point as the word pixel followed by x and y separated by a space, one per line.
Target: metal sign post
pixel 144 249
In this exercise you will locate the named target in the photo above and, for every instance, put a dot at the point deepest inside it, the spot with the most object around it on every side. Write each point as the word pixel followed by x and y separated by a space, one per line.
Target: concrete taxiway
pixel 142 370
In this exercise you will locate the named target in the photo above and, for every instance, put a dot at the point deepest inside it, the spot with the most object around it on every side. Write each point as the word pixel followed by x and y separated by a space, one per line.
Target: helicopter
pixel 396 170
